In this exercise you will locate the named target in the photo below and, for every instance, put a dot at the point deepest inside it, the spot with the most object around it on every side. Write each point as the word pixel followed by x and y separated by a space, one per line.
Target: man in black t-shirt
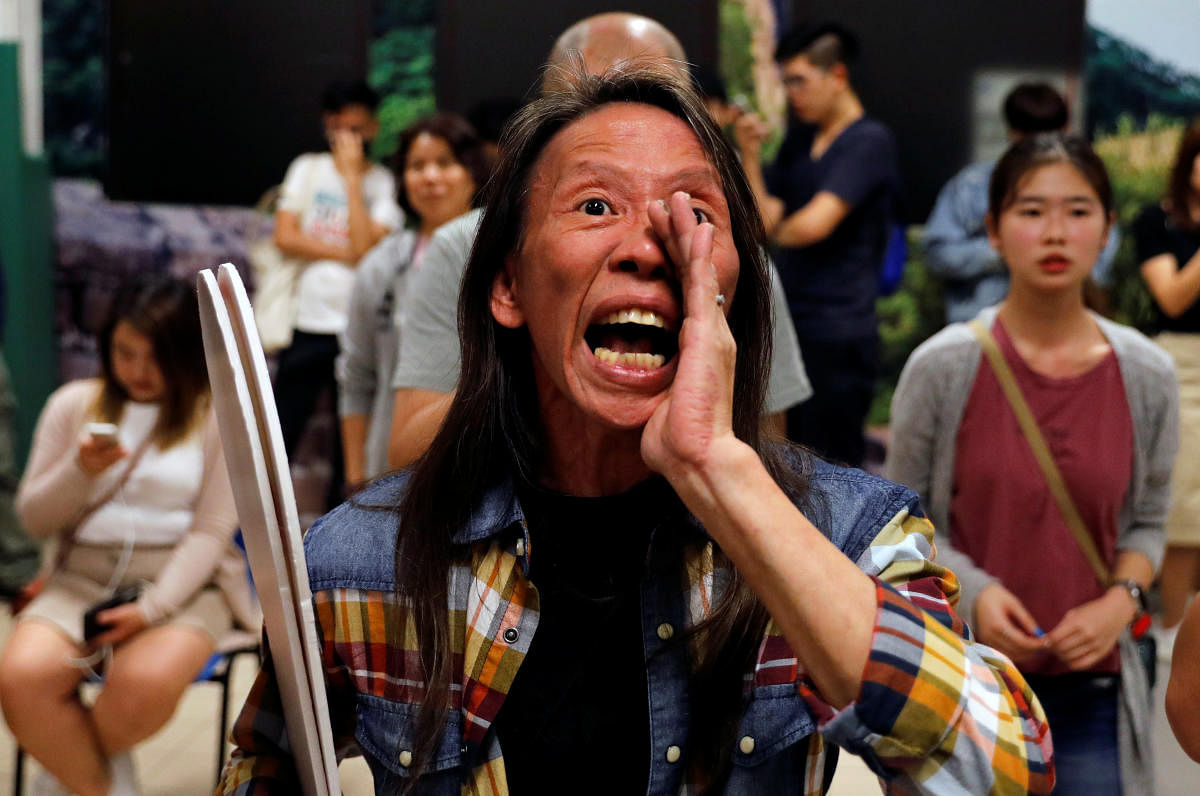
pixel 827 202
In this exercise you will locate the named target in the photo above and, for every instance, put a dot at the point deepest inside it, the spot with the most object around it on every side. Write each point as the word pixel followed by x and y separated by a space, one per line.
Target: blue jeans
pixel 1082 711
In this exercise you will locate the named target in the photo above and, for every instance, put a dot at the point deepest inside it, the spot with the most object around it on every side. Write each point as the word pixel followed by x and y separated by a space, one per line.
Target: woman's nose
pixel 641 252
pixel 1056 226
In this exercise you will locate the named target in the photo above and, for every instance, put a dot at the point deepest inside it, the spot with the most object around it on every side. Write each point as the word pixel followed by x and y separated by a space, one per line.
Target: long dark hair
pixel 1181 195
pixel 166 311
pixel 464 142
pixel 492 431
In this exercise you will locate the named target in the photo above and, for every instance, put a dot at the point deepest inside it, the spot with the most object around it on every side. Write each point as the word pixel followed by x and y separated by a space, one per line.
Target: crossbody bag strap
pixel 1041 451
pixel 68 541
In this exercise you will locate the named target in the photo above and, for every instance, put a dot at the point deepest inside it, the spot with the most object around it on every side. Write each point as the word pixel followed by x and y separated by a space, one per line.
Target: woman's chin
pixel 606 414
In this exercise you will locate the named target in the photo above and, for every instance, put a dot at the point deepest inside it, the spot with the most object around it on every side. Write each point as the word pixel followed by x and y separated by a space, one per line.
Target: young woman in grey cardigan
pixel 1106 399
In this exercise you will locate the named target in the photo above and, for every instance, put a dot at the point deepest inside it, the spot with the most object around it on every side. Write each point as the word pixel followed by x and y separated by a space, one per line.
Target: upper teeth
pixel 642 317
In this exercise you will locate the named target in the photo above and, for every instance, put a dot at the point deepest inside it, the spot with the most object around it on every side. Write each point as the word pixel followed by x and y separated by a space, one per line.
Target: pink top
pixel 54 491
pixel 1001 511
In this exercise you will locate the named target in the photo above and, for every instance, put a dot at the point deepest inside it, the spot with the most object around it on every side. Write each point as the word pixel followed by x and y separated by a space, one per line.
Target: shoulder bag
pixel 1147 647
pixel 35 586
pixel 277 276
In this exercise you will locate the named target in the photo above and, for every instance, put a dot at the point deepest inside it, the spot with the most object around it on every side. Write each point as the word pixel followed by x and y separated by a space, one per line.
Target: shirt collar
pixel 497 510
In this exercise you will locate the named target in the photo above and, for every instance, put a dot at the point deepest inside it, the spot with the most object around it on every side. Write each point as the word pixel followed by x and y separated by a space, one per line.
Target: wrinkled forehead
pixel 625 141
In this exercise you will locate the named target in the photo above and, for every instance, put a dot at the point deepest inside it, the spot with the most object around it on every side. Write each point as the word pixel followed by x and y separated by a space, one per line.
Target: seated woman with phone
pixel 127 473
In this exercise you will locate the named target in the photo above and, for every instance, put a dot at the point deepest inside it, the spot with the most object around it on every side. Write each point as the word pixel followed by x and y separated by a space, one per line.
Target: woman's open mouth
pixel 633 338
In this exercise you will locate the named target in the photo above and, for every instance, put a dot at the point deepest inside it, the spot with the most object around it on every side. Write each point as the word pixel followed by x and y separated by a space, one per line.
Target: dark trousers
pixel 1082 710
pixel 306 368
pixel 842 373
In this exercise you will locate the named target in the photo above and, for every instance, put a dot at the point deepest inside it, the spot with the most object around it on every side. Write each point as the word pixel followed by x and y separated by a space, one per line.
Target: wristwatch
pixel 1136 591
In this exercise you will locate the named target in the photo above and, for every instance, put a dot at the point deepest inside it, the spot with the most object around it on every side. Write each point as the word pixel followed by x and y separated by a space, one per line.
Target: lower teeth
pixel 641 361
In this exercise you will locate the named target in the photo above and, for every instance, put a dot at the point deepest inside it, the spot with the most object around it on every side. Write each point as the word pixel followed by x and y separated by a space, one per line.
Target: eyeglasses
pixel 794 81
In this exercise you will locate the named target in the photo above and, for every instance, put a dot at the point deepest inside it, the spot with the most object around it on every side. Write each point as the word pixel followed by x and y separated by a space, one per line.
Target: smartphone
pixel 103 433
pixel 91 625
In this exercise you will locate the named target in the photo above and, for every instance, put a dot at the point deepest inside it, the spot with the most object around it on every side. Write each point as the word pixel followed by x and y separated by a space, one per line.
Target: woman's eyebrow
pixel 1037 197
pixel 588 170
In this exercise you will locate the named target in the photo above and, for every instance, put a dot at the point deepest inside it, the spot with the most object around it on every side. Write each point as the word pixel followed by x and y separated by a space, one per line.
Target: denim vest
pixel 353 547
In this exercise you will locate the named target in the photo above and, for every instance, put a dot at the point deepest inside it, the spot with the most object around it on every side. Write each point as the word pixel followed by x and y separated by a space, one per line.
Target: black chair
pixel 216 670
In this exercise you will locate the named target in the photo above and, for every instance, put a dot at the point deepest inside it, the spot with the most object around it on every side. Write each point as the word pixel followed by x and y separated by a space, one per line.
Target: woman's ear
pixel 505 308
pixel 993 232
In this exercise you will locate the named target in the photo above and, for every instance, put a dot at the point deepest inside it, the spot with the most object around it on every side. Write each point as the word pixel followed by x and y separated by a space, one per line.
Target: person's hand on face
pixel 347 148
pixel 698 410
pixel 591 252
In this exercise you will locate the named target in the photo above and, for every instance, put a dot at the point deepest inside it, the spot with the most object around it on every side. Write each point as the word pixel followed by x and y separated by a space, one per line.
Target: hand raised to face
pixel 347 148
pixel 698 408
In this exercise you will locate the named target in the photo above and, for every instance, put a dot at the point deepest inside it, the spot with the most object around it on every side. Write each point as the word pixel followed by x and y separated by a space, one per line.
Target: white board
pixel 262 489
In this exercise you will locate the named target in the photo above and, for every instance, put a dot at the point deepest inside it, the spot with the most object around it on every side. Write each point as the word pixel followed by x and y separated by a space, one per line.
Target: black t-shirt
pixel 579 702
pixel 1155 233
pixel 832 285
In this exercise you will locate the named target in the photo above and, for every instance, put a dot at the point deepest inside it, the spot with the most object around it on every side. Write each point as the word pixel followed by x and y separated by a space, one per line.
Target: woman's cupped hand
pixel 696 416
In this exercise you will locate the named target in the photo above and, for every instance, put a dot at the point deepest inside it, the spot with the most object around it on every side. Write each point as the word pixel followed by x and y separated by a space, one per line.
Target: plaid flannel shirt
pixel 936 713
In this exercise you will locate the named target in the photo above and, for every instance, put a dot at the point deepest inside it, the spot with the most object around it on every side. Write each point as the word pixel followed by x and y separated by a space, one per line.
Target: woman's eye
pixel 701 217
pixel 595 207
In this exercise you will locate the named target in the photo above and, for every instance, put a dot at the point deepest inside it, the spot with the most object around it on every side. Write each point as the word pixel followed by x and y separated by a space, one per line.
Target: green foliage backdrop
pixel 400 64
pixel 401 70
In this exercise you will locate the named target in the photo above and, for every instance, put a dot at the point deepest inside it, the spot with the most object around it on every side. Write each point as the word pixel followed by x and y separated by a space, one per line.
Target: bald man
pixel 428 365
pixel 606 39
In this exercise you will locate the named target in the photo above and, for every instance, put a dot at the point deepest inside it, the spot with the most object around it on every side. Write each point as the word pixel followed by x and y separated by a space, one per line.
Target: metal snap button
pixel 673 754
pixel 406 758
pixel 665 631
pixel 511 635
pixel 746 744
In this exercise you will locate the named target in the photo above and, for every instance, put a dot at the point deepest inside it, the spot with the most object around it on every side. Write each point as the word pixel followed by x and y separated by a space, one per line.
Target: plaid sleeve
pixel 261 762
pixel 937 712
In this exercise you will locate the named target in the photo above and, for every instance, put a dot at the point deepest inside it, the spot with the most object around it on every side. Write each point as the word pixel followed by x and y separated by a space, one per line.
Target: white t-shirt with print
pixel 315 191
